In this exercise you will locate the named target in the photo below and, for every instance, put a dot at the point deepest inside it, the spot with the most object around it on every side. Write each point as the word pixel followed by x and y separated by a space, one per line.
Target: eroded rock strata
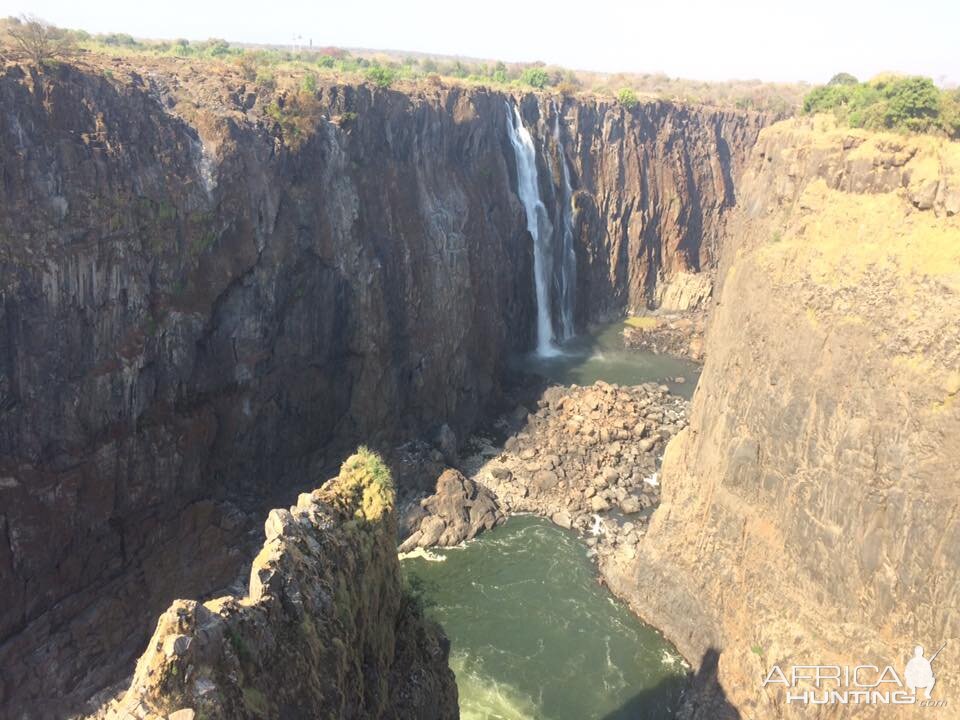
pixel 326 629
pixel 811 511
pixel 200 308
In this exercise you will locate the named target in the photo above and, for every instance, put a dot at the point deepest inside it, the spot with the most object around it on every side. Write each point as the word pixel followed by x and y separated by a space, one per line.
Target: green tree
pixel 843 79
pixel 826 98
pixel 381 76
pixel 215 47
pixel 912 103
pixel 950 111
pixel 627 97
pixel 535 77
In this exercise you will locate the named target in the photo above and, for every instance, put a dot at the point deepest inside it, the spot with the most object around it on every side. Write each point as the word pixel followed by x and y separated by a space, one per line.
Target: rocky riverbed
pixel 584 457
pixel 673 333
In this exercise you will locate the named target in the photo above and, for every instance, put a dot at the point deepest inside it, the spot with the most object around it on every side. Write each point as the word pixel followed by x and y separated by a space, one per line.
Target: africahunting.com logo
pixel 860 684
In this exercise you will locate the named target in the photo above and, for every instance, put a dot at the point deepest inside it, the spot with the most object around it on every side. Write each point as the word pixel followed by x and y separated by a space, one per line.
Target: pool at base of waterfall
pixel 601 355
pixel 534 636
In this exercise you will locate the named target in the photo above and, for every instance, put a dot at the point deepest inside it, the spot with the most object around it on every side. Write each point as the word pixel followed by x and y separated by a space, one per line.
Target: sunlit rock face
pixel 810 511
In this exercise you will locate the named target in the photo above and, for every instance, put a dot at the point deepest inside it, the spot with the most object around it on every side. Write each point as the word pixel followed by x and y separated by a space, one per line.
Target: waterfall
pixel 537 224
pixel 568 258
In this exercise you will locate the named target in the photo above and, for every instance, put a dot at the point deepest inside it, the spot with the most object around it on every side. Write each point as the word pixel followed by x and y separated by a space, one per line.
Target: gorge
pixel 206 309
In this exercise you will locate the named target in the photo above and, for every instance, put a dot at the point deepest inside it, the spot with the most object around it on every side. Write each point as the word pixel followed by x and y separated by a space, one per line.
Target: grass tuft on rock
pixel 365 483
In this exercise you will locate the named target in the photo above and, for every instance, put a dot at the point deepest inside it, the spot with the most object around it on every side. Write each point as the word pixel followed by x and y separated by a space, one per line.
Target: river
pixel 536 637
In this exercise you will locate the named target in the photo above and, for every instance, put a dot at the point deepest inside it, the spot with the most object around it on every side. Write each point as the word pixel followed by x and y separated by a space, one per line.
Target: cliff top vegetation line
pixel 888 102
pixel 265 65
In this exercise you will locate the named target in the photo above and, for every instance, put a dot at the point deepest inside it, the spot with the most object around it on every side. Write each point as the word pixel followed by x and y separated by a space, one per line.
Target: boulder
pixel 431 529
pixel 562 518
pixel 630 505
pixel 458 510
pixel 544 480
pixel 599 504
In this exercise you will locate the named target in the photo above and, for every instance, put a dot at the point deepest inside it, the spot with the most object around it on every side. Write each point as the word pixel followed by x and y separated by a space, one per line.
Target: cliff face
pixel 325 631
pixel 810 511
pixel 198 311
pixel 651 190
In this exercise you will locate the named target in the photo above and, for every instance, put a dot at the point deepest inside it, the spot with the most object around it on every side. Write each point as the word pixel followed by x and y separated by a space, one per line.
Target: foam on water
pixel 423 554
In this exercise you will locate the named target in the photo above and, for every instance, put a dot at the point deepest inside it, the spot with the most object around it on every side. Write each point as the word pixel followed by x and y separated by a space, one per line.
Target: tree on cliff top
pixel 843 78
pixel 29 38
pixel 888 102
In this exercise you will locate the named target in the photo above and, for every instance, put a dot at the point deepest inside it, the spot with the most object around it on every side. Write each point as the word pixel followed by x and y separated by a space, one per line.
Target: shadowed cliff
pixel 197 312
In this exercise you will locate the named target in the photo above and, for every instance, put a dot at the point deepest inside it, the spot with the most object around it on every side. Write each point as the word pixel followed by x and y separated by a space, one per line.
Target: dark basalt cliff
pixel 196 312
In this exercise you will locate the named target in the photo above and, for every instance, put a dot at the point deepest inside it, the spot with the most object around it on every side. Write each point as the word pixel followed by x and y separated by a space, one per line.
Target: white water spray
pixel 537 224
pixel 568 259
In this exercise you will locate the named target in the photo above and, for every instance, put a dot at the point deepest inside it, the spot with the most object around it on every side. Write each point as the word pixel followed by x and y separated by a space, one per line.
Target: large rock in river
pixel 458 511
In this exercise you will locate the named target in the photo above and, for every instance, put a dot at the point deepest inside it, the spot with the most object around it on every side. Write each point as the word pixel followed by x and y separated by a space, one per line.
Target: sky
pixel 771 40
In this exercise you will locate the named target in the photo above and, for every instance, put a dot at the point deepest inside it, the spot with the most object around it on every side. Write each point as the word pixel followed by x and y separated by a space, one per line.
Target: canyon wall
pixel 652 188
pixel 811 511
pixel 326 629
pixel 202 305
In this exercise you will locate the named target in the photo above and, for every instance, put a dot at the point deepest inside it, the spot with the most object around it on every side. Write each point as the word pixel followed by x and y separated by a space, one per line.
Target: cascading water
pixel 538 224
pixel 568 259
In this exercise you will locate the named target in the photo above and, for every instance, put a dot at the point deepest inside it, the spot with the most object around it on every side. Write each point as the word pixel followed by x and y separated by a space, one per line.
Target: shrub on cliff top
pixel 536 77
pixel 382 77
pixel 627 98
pixel 889 102
pixel 309 83
pixel 29 38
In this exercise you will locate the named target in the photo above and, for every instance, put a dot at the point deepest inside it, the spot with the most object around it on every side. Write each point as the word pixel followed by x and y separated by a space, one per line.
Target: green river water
pixel 600 355
pixel 534 636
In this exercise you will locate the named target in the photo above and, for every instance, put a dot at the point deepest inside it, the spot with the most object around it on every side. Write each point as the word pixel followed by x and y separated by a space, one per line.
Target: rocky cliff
pixel 203 304
pixel 811 511
pixel 326 629
pixel 651 190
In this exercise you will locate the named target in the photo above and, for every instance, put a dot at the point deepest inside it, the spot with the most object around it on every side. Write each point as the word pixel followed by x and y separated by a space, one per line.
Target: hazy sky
pixel 704 39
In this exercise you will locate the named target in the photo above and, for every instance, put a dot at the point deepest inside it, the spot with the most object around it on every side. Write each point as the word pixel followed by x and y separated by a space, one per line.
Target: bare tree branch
pixel 37 41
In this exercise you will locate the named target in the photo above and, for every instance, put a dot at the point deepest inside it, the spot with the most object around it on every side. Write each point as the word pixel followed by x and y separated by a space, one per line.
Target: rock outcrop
pixel 200 307
pixel 326 629
pixel 459 510
pixel 811 511
pixel 674 333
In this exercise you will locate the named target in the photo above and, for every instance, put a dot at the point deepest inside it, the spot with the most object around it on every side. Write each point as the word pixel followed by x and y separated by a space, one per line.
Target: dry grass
pixel 642 322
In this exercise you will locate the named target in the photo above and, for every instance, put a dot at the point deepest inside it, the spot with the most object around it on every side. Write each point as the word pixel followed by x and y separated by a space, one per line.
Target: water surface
pixel 601 355
pixel 534 636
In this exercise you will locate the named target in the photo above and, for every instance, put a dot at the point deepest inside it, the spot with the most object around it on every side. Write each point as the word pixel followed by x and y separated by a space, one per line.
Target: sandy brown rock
pixel 671 333
pixel 810 511
pixel 586 459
